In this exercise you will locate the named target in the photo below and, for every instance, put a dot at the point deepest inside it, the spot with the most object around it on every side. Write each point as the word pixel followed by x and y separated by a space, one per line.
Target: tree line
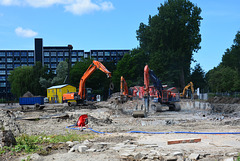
pixel 166 44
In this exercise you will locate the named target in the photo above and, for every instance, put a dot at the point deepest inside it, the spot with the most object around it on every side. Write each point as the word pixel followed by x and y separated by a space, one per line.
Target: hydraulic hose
pixel 73 127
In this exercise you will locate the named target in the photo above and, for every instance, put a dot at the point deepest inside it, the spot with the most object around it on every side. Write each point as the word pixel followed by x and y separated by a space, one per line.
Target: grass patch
pixel 33 143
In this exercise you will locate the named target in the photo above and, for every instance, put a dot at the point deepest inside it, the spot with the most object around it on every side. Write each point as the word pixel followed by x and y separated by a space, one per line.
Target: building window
pixel 2 66
pixel 24 60
pixel 53 91
pixel 94 53
pixel 30 54
pixel 60 59
pixel 66 54
pixel 79 59
pixel 2 78
pixel 3 84
pixel 48 91
pixel 53 65
pixel 74 59
pixel 30 64
pixel 54 71
pixel 2 54
pixel 53 53
pixel 16 65
pixel 46 59
pixel 120 53
pixel 9 60
pixel 113 54
pixel 2 72
pixel 30 60
pixel 107 53
pixel 100 59
pixel 16 54
pixel 53 59
pixel 46 53
pixel 9 66
pixel 8 72
pixel 9 54
pixel 74 53
pixel 24 54
pixel 80 53
pixel 16 59
pixel 100 53
pixel 60 53
pixel 85 55
pixel 60 90
pixel 2 60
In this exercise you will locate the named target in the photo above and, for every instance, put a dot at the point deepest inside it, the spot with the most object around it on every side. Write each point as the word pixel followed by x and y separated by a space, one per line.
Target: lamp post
pixel 70 47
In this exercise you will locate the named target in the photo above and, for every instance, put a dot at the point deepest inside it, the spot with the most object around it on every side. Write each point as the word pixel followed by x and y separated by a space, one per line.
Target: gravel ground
pixel 54 119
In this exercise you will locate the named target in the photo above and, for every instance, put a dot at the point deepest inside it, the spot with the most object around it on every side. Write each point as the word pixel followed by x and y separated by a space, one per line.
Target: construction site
pixel 152 122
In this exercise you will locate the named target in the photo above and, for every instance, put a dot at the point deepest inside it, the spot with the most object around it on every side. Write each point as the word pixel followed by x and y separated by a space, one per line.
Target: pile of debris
pixel 8 128
pixel 225 100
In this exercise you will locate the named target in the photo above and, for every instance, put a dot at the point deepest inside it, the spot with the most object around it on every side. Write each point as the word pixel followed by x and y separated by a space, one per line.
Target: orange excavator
pixel 79 97
pixel 165 97
pixel 123 91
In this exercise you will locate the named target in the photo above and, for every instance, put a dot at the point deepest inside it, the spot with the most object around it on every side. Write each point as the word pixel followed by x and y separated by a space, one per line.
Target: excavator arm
pixel 123 86
pixel 186 88
pixel 95 65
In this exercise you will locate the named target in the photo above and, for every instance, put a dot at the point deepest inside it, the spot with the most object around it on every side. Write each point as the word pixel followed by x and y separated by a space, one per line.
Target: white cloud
pixel 25 32
pixel 10 2
pixel 46 3
pixel 78 7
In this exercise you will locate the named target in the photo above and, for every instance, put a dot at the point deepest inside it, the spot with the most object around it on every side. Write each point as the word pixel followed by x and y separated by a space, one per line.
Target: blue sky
pixel 109 24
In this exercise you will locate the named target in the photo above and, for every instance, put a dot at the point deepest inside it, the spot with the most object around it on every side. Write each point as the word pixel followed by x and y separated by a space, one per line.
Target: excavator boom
pixel 124 88
pixel 95 65
pixel 80 96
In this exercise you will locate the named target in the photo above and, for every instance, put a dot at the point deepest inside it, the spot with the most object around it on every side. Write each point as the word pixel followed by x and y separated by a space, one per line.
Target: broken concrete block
pixel 71 150
pixel 193 156
pixel 177 154
pixel 228 159
pixel 233 154
pixel 91 150
pixel 138 156
pixel 69 143
pixel 82 148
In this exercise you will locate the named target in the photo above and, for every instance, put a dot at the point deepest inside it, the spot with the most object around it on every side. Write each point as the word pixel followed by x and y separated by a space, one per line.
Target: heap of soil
pixel 225 100
pixel 28 94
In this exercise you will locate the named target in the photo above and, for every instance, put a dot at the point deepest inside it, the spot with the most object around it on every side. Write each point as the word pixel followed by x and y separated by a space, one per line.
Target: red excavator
pixel 165 97
pixel 79 97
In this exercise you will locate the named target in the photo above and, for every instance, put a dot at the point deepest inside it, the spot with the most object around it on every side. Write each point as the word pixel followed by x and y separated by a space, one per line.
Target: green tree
pixel 222 79
pixel 20 80
pixel 170 38
pixel 198 77
pixel 131 67
pixel 62 71
pixel 97 81
pixel 26 78
pixel 231 57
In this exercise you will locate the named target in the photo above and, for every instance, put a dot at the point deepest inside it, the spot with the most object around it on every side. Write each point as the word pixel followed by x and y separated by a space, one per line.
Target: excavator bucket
pixel 139 112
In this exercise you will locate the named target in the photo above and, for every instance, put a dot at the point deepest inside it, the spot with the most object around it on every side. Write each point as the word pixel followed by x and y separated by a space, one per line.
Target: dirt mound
pixel 225 100
pixel 8 122
pixel 99 122
pixel 28 94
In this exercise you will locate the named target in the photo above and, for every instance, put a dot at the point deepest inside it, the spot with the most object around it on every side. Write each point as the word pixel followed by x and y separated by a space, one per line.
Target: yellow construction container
pixel 55 93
